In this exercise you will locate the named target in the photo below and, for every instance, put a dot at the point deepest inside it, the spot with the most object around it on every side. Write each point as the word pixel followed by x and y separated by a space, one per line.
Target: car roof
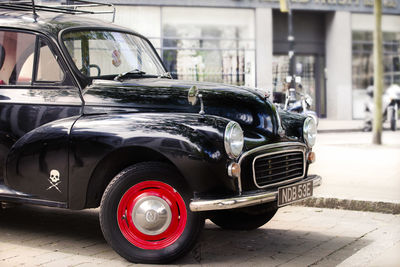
pixel 50 23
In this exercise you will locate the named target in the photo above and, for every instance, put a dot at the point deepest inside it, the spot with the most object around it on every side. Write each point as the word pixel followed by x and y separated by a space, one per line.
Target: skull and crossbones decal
pixel 54 180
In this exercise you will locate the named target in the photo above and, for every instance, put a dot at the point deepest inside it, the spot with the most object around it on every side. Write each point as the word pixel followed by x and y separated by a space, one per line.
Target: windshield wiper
pixel 121 76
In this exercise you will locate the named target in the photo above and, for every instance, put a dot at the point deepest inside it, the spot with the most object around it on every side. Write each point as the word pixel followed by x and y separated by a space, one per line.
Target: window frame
pixel 36 62
pixel 67 81
pixel 363 41
pixel 83 78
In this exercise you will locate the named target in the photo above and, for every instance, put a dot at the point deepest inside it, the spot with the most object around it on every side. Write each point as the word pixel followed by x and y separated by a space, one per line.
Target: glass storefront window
pixel 201 44
pixel 280 69
pixel 362 66
pixel 214 45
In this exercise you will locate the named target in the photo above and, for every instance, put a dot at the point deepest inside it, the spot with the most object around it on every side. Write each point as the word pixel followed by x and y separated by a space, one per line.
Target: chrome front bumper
pixel 243 200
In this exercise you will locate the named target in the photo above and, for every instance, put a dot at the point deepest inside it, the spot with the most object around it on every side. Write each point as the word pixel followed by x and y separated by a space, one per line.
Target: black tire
pixel 393 123
pixel 392 109
pixel 245 218
pixel 367 126
pixel 137 183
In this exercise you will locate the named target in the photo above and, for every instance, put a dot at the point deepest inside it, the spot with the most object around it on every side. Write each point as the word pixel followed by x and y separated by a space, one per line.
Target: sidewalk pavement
pixel 341 126
pixel 355 174
pixel 330 126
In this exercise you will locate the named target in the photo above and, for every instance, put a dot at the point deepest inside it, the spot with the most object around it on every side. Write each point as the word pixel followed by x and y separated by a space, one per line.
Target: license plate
pixel 292 193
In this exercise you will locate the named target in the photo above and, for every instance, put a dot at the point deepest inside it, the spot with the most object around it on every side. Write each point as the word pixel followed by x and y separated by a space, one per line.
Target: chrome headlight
pixel 310 131
pixel 233 139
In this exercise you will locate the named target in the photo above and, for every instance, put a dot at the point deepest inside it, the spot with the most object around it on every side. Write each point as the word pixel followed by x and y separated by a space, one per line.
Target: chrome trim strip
pixel 285 181
pixel 66 104
pixel 260 148
pixel 241 201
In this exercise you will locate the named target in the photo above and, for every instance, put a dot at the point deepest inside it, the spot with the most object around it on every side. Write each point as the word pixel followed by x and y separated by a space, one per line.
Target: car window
pixel 17 67
pixel 17 60
pixel 107 53
pixel 49 69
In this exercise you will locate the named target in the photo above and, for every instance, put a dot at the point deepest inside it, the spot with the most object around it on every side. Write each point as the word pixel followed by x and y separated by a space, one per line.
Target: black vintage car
pixel 89 117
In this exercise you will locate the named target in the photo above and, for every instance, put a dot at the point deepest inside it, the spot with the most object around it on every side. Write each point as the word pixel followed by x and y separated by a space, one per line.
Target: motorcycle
pixel 390 107
pixel 300 103
pixel 295 101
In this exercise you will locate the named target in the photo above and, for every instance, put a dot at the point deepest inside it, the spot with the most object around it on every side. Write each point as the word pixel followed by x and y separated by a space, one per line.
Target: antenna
pixel 35 15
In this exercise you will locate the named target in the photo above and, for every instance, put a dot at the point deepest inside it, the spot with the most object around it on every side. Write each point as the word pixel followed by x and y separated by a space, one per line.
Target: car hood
pixel 247 106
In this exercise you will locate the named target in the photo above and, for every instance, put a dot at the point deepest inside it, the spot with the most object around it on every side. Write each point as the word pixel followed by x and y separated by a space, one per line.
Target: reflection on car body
pixel 90 118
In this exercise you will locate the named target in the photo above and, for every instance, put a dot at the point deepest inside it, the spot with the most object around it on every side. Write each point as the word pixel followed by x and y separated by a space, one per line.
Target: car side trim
pixel 32 201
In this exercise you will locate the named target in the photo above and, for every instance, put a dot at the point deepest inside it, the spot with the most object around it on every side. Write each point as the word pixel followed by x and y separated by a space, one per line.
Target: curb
pixel 346 204
pixel 351 130
pixel 340 131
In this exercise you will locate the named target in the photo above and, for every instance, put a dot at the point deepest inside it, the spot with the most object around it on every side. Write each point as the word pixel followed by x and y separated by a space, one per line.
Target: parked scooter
pixel 390 106
pixel 299 102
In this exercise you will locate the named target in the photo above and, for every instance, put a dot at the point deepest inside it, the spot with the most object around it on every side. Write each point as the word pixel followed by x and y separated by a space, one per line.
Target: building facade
pixel 244 42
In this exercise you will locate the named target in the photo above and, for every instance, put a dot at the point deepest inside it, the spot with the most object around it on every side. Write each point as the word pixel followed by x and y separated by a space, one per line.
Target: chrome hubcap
pixel 151 215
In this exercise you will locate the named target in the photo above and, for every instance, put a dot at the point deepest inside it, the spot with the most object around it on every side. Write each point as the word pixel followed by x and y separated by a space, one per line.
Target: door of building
pixel 310 68
pixel 309 32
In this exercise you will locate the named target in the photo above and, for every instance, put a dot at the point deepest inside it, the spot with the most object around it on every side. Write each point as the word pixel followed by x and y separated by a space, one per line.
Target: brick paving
pixel 297 236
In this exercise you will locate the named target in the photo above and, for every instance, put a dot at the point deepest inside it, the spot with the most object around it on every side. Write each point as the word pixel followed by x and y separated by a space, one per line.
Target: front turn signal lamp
pixel 234 170
pixel 311 157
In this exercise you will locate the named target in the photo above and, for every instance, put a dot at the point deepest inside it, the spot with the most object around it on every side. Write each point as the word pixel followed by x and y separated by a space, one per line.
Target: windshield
pixel 103 54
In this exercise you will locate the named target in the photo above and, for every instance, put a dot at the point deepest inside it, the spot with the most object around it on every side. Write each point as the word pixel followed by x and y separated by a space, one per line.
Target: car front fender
pixel 191 142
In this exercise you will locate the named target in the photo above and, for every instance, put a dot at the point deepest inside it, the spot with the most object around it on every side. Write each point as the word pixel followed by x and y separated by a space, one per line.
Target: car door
pixel 36 90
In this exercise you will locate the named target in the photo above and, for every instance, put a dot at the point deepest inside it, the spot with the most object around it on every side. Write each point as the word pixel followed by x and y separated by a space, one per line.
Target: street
pixel 297 236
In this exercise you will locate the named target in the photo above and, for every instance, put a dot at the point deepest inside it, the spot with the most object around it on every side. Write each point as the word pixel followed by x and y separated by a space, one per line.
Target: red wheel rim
pixel 137 197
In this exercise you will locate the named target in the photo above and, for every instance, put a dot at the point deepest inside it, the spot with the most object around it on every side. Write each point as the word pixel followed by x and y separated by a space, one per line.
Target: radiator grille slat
pixel 270 169
pixel 289 154
pixel 266 167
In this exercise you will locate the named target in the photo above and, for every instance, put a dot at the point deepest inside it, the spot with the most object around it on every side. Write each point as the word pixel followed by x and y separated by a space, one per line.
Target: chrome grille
pixel 278 168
